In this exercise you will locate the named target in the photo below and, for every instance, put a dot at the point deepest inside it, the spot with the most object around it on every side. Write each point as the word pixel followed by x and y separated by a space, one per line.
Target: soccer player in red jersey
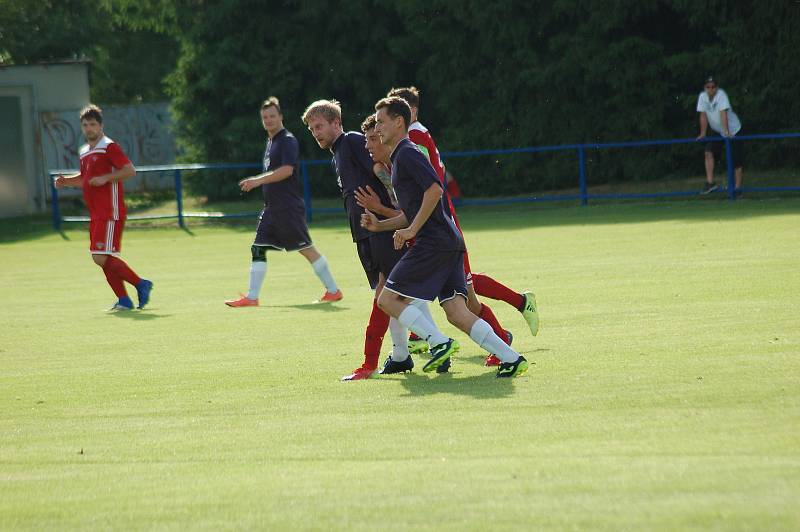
pixel 104 166
pixel 477 283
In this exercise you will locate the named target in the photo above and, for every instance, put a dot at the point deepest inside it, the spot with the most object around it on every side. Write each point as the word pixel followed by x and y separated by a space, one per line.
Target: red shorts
pixel 105 236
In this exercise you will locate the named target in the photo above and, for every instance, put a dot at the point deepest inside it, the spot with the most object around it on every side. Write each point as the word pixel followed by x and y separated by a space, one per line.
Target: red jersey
pixel 105 202
pixel 420 136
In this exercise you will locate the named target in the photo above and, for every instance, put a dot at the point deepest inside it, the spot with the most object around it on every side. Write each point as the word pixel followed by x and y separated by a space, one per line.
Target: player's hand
pixel 99 181
pixel 59 181
pixel 369 221
pixel 368 199
pixel 701 136
pixel 248 184
pixel 401 236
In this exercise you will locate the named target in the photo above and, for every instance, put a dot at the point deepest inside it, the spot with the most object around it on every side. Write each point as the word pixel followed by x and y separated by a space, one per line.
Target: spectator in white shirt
pixel 716 111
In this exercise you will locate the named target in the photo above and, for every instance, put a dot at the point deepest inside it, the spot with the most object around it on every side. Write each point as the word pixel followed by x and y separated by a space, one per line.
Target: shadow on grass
pixel 138 315
pixel 324 307
pixel 485 386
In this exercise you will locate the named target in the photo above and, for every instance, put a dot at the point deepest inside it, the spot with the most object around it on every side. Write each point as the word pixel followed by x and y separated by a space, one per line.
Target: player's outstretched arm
pixel 370 222
pixel 62 181
pixel 273 176
pixel 369 200
pixel 116 175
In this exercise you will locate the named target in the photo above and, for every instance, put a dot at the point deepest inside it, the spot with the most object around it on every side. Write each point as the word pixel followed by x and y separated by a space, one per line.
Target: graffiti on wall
pixel 142 131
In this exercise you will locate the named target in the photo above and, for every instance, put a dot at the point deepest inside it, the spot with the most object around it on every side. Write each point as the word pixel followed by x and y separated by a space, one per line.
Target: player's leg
pixel 320 266
pixel 486 286
pixel 708 161
pixel 453 298
pixel 121 268
pixel 258 271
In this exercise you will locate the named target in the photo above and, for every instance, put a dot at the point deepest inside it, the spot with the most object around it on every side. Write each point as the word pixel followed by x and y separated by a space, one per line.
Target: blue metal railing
pixel 584 196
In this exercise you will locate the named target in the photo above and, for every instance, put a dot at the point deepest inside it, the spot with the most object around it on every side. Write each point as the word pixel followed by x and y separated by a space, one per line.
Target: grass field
pixel 664 391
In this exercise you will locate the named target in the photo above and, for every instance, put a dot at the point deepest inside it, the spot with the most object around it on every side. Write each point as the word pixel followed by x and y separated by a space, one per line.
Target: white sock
pixel 425 308
pixel 399 340
pixel 412 318
pixel 258 269
pixel 484 336
pixel 324 273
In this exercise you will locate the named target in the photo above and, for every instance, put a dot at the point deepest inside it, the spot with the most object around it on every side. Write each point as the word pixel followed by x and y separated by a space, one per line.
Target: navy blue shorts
pixel 378 256
pixel 737 151
pixel 427 275
pixel 285 230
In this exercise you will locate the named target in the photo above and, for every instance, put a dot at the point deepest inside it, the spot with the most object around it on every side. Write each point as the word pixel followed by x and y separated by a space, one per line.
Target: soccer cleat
pixel 390 366
pixel 243 301
pixel 361 373
pixel 329 297
pixel 440 354
pixel 123 303
pixel 708 188
pixel 445 367
pixel 530 312
pixel 512 369
pixel 143 290
pixel 417 346
pixel 492 360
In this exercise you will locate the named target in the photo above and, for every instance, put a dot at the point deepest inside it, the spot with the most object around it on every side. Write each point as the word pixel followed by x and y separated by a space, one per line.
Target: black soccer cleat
pixel 390 366
pixel 445 367
pixel 512 369
pixel 440 354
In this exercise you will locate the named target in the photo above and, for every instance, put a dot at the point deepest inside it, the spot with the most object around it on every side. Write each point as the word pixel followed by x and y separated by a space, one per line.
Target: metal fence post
pixel 731 178
pixel 179 198
pixel 582 175
pixel 54 201
pixel 306 189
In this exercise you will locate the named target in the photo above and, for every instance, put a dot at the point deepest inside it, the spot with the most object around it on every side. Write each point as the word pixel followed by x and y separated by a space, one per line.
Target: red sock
pixel 373 339
pixel 488 316
pixel 488 287
pixel 122 270
pixel 114 281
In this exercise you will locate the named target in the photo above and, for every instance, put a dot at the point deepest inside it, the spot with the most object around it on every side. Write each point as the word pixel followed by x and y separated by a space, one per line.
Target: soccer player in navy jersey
pixel 282 224
pixel 434 266
pixel 477 283
pixel 353 167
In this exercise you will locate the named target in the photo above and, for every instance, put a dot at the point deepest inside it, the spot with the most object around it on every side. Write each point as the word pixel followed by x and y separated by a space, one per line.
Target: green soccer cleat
pixel 440 354
pixel 508 370
pixel 418 346
pixel 531 312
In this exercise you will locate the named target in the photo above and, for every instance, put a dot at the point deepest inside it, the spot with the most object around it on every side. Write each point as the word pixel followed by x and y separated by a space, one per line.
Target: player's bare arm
pixel 369 199
pixel 370 222
pixel 273 176
pixel 430 200
pixel 723 115
pixel 703 126
pixel 73 180
pixel 117 175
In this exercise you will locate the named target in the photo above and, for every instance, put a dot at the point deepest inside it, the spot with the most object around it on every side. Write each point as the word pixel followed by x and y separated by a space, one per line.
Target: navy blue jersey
pixel 282 150
pixel 412 175
pixel 353 166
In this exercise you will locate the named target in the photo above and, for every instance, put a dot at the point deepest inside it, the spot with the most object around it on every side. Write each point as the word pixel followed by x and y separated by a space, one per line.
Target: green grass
pixel 664 391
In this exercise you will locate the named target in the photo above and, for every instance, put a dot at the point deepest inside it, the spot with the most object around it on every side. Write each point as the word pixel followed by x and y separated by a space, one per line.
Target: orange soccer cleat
pixel 328 297
pixel 361 373
pixel 243 301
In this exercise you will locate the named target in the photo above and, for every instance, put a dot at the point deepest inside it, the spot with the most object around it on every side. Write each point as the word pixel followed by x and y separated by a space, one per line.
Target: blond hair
pixel 330 110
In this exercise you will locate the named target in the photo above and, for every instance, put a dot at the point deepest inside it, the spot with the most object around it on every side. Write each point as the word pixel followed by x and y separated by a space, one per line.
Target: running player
pixel 525 303
pixel 282 224
pixel 104 166
pixel 434 266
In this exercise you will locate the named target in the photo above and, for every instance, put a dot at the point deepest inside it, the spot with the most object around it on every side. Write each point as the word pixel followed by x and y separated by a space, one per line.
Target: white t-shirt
pixel 712 110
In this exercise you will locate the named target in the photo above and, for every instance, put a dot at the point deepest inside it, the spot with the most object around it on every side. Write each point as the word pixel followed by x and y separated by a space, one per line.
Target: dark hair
pixel 368 123
pixel 272 101
pixel 396 106
pixel 710 79
pixel 409 94
pixel 92 112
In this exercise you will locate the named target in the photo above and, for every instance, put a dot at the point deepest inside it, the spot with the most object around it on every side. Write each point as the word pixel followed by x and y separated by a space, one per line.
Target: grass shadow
pixel 138 315
pixel 485 386
pixel 325 307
